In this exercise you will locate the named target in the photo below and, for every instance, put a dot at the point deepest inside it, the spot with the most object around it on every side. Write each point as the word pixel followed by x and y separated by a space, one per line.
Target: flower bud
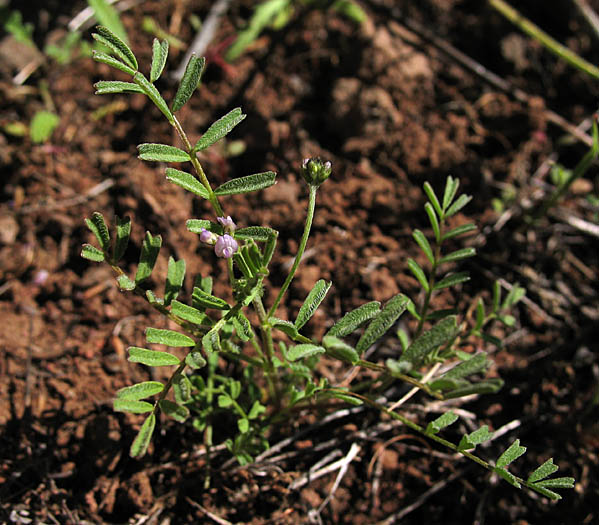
pixel 208 237
pixel 227 223
pixel 225 246
pixel 315 171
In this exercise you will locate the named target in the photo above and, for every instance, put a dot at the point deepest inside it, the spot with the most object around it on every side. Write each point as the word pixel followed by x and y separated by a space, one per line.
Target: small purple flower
pixel 225 246
pixel 208 237
pixel 227 223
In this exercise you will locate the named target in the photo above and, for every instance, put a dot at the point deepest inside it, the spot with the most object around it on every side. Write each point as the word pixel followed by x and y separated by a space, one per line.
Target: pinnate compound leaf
pixel 543 471
pixel 382 322
pixel 159 55
pixel 458 255
pixel 168 337
pixel 187 181
pixel 151 357
pixel 173 410
pixel 458 230
pixel 189 82
pixel 441 333
pixel 206 300
pixel 189 313
pixel 452 280
pixel 105 87
pixel 302 351
pixel 125 283
pixel 195 360
pixel 351 321
pixel 140 390
pixel 98 227
pixel 461 201
pixel 132 406
pixel 142 440
pixel 182 388
pixel 174 280
pixel 340 350
pixel 470 441
pixel 508 476
pixel 113 62
pixel 312 302
pixel 161 153
pixel 219 129
pixel 418 272
pixel 425 246
pixel 247 184
pixel 513 452
pixel 106 37
pixel 154 95
pixel 147 259
pixel 123 232
pixel 91 253
pixel 256 233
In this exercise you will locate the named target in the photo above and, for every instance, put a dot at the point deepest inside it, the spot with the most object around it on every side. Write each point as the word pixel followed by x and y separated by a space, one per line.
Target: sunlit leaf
pixel 425 246
pixel 474 365
pixel 302 351
pixel 147 259
pixel 513 452
pixel 168 338
pixel 458 255
pixel 452 280
pixel 106 37
pixel 154 95
pixel 418 272
pixel 197 225
pixel 151 357
pixel 209 301
pixel 140 390
pixel 451 188
pixel 460 202
pixel 142 440
pixel 189 313
pixel 382 322
pixel 181 388
pixel 195 360
pixel 432 217
pixel 508 476
pixel 458 230
pixel 340 350
pixel 444 420
pixel 189 82
pixel 92 253
pixel 123 232
pixel 161 153
pixel 98 227
pixel 543 471
pixel 132 406
pixel 42 126
pixel 470 441
pixel 441 333
pixel 312 302
pixel 432 197
pixel 105 87
pixel 247 184
pixel 187 181
pixel 351 321
pixel 173 410
pixel 257 233
pixel 174 279
pixel 219 129
pixel 159 55
pixel 125 283
pixel 113 62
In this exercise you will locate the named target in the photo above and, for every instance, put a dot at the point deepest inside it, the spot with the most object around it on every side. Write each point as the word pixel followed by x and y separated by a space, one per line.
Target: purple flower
pixel 207 237
pixel 227 223
pixel 225 246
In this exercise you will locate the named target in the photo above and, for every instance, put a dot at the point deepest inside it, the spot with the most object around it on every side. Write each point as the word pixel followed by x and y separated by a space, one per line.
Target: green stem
pixel 431 284
pixel 300 250
pixel 538 34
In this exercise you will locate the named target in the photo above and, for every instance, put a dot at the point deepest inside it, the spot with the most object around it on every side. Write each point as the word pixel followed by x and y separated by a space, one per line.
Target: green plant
pixel 271 365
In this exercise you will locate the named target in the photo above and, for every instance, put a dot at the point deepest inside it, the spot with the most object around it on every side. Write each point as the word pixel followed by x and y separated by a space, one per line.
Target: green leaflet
pixel 187 181
pixel 113 62
pixel 458 230
pixel 247 184
pixel 470 441
pixel 142 440
pixel 154 95
pixel 458 255
pixel 105 87
pixel 147 259
pixel 452 280
pixel 123 232
pixel 211 342
pixel 119 48
pixel 140 390
pixel 425 246
pixel 382 322
pixel 486 386
pixel 340 350
pixel 98 227
pixel 125 283
pixel 195 360
pixel 189 313
pixel 351 321
pixel 434 427
pixel 207 300
pixel 508 476
pixel 174 411
pixel 196 226
pixel 189 82
pixel 513 452
pixel 302 351
pixel 168 338
pixel 219 129
pixel 543 471
pixel 159 55
pixel 257 233
pixel 287 327
pixel 451 188
pixel 441 333
pixel 474 365
pixel 432 217
pixel 430 193
pixel 418 272
pixel 458 205
pixel 312 302
pixel 151 357
pixel 132 406
pixel 174 279
pixel 182 388
pixel 91 253
pixel 42 126
pixel 162 153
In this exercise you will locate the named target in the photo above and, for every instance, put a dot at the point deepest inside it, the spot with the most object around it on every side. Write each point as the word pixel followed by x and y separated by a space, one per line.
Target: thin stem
pixel 431 284
pixel 300 250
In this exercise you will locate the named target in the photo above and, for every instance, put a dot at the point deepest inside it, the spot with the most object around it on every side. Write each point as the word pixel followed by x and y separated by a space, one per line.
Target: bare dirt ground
pixel 391 109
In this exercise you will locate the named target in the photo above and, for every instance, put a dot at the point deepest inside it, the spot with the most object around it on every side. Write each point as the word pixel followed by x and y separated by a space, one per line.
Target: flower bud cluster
pixel 224 245
pixel 315 171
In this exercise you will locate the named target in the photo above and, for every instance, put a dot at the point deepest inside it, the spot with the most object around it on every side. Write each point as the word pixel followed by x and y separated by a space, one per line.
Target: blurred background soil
pixel 391 109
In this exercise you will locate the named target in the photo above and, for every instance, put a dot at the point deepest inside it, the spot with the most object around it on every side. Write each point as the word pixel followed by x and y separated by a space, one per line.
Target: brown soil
pixel 390 110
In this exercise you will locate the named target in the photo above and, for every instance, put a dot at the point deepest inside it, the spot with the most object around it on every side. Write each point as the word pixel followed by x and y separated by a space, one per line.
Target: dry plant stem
pixel 538 34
